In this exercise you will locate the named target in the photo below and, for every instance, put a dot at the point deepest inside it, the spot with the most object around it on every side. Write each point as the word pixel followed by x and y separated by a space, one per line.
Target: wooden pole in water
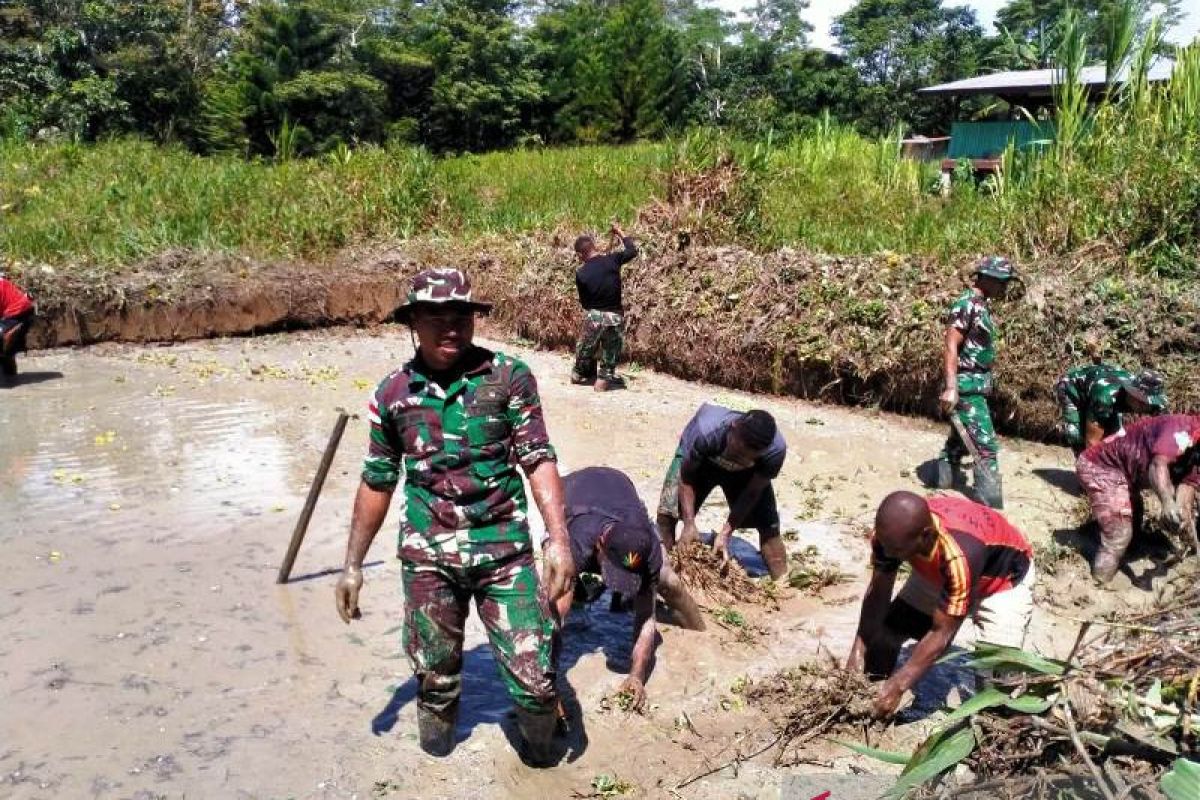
pixel 314 491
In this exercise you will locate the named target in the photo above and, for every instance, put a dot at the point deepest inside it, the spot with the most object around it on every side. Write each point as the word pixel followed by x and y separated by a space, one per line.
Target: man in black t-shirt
pixel 598 280
pixel 612 536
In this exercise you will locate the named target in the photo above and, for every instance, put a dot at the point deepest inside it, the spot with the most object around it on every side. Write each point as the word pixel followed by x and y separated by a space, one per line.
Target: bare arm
pixel 1185 496
pixel 370 509
pixel 645 642
pixel 687 506
pixel 953 342
pixel 547 489
pixel 927 651
pixel 870 618
pixel 1160 482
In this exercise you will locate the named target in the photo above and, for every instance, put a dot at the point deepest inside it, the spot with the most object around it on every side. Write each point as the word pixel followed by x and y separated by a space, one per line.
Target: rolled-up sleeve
pixel 531 441
pixel 381 467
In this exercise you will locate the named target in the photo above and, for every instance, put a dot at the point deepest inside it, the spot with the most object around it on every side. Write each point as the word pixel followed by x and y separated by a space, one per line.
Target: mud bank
pixel 182 296
pixel 860 331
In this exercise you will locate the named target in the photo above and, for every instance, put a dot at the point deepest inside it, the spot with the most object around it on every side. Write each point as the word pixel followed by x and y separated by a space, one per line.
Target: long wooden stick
pixel 314 491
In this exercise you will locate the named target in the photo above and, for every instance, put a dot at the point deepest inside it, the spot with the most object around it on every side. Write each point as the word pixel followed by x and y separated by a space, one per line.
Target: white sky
pixel 821 13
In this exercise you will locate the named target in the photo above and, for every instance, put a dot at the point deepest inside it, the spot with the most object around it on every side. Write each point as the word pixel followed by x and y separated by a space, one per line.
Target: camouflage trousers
pixel 976 418
pixel 513 609
pixel 603 331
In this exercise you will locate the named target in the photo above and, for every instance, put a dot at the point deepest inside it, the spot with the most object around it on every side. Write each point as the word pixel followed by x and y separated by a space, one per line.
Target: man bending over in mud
pixel 1162 452
pixel 967 561
pixel 611 534
pixel 598 280
pixel 1092 399
pixel 16 315
pixel 459 419
pixel 741 453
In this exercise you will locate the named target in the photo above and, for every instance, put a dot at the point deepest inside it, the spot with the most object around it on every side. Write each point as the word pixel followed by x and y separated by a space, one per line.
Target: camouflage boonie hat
pixel 996 267
pixel 440 286
pixel 1148 386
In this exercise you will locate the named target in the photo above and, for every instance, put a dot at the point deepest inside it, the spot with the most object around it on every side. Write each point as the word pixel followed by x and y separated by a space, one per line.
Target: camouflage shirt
pixel 971 317
pixel 1095 389
pixel 459 447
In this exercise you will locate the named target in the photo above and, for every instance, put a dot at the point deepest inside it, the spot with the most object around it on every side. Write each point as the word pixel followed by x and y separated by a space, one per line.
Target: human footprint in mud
pixel 967 561
pixel 459 419
pixel 1161 452
pixel 740 452
pixel 612 536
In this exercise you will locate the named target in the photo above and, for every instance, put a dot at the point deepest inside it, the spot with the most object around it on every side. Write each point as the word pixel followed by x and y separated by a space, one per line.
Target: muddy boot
pixel 538 733
pixel 989 487
pixel 436 731
pixel 600 385
pixel 775 555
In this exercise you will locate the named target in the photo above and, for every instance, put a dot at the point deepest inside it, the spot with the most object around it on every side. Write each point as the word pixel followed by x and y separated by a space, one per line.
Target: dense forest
pixel 275 78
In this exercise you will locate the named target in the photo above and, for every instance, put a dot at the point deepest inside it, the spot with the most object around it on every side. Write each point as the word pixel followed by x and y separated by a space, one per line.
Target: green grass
pixel 1125 189
pixel 525 190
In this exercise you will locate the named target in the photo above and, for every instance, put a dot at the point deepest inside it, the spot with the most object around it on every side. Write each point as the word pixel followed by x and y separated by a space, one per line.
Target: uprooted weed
pixel 812 699
pixel 724 583
pixel 808 572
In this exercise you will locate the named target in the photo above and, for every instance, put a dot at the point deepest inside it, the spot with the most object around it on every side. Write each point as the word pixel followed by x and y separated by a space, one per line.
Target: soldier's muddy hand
pixel 636 691
pixel 948 400
pixel 560 568
pixel 346 593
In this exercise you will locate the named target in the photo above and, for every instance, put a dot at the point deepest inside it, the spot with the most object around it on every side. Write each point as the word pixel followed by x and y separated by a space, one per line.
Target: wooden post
pixel 314 491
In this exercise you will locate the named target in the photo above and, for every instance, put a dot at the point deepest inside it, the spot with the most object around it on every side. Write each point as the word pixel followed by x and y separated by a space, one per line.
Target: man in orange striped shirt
pixel 967 561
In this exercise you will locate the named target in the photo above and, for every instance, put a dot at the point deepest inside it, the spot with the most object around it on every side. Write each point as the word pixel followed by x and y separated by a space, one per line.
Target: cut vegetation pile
pixel 862 330
pixel 723 583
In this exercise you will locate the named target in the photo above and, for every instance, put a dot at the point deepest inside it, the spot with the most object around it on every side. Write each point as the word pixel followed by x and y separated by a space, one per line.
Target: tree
pixel 1037 25
pixel 620 70
pixel 898 46
pixel 484 88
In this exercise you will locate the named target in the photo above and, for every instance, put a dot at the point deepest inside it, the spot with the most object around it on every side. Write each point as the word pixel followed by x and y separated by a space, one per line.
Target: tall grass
pixel 1121 181
pixel 119 202
pixel 538 189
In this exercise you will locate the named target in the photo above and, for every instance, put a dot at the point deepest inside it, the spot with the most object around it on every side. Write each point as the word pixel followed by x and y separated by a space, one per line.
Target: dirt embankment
pixel 860 330
pixel 181 296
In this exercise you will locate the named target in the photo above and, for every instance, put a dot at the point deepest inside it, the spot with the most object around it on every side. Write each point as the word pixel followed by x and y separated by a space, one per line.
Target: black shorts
pixel 764 516
pixel 15 344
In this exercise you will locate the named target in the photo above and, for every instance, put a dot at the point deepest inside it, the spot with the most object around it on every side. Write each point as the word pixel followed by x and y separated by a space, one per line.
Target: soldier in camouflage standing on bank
pixel 598 280
pixel 1093 397
pixel 970 350
pixel 459 419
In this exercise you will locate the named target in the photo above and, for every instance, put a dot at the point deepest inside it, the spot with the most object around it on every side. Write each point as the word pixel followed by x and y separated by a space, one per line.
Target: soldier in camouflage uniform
pixel 1093 397
pixel 459 419
pixel 970 350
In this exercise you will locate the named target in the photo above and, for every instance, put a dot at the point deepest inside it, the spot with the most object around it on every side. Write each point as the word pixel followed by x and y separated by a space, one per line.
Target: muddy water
pixel 148 494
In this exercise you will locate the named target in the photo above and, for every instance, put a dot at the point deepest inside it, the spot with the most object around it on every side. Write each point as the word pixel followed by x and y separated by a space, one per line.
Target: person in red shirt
pixel 967 561
pixel 16 315
pixel 1162 452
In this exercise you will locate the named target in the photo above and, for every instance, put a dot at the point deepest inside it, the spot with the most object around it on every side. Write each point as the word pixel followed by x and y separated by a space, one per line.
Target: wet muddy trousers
pixel 603 331
pixel 437 600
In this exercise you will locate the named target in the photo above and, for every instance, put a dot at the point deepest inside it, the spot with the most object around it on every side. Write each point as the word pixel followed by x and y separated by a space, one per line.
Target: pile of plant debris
pixel 721 581
pixel 1119 718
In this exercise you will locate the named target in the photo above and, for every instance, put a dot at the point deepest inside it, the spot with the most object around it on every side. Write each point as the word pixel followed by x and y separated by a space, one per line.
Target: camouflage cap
pixel 1149 387
pixel 996 267
pixel 439 286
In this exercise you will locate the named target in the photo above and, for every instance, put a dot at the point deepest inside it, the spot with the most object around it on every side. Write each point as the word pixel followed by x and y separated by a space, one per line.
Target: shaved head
pixel 902 524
